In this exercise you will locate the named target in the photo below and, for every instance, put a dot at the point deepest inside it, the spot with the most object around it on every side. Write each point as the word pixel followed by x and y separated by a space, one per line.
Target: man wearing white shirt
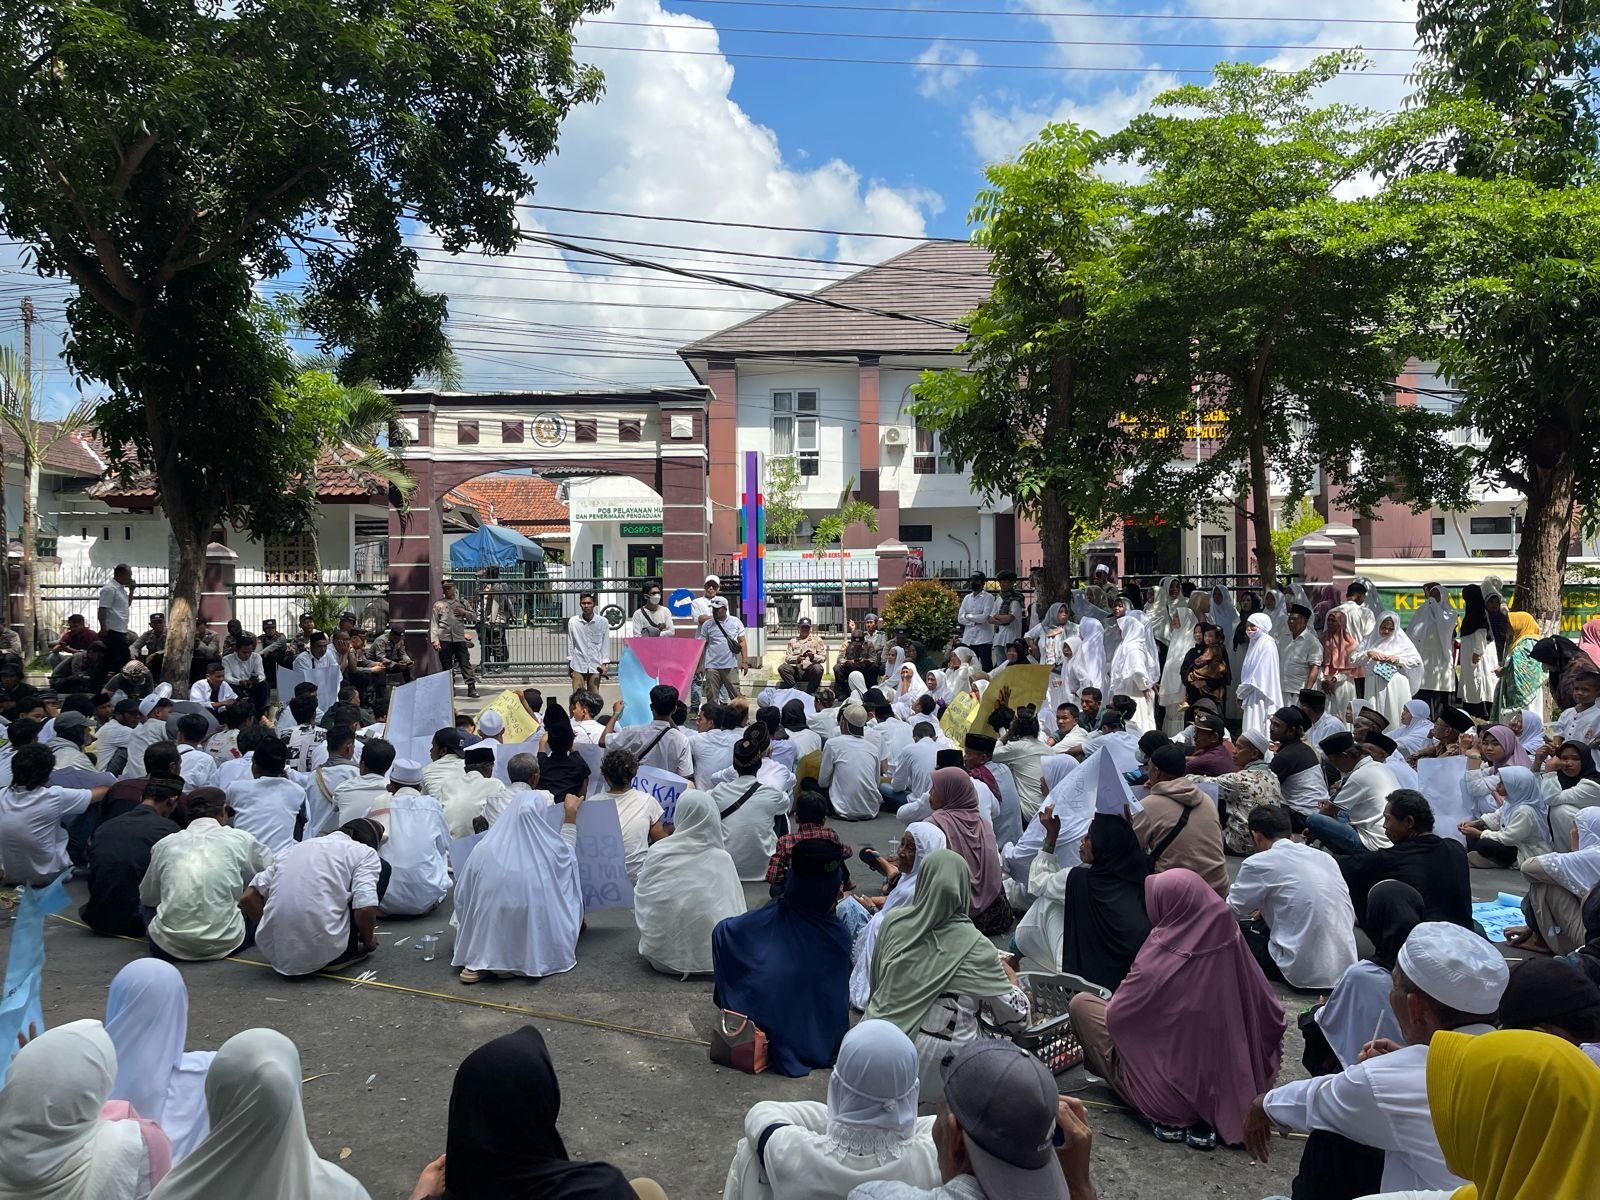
pixel 974 617
pixel 417 853
pixel 712 749
pixel 194 882
pixel 306 742
pixel 726 654
pixel 1300 665
pixel 913 774
pixel 268 803
pixel 111 739
pixel 321 666
pixel 650 619
pixel 849 772
pixel 588 646
pixel 583 707
pixel 245 672
pixel 1293 906
pixel 33 841
pixel 1446 978
pixel 195 765
pixel 213 690
pixel 659 744
pixel 317 906
pixel 323 784
pixel 1021 753
pixel 1352 821
pixel 747 809
pixel 366 794
pixel 888 734
pixel 155 708
pixel 523 773
pixel 1320 723
pixel 115 595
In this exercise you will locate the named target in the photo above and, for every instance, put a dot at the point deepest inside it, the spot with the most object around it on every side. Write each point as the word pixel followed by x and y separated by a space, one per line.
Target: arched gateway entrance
pixel 657 436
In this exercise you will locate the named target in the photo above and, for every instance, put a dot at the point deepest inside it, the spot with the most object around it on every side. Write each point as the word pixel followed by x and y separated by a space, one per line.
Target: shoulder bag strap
pixel 739 803
pixel 1160 847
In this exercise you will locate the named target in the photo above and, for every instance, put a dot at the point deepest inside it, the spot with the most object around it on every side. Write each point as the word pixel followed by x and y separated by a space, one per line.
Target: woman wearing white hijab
pixel 963 673
pixel 1087 668
pixel 1260 689
pixel 53 1143
pixel 1041 929
pixel 687 884
pixel 926 837
pixel 1433 632
pixel 1415 729
pixel 911 687
pixel 257 1148
pixel 1278 613
pixel 1558 885
pixel 1136 669
pixel 857 682
pixel 1180 626
pixel 1050 635
pixel 518 904
pixel 1393 667
pixel 147 1019
pixel 868 1130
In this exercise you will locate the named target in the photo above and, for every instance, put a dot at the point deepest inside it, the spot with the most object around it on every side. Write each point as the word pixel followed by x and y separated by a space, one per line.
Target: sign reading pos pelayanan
pixel 1579 603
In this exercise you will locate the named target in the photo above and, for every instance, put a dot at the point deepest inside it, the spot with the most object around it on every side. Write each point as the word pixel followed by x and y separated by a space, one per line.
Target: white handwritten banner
pixel 602 872
pixel 504 753
pixel 664 786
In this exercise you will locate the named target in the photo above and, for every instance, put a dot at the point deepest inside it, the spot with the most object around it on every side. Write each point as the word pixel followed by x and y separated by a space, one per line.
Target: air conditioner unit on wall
pixel 895 435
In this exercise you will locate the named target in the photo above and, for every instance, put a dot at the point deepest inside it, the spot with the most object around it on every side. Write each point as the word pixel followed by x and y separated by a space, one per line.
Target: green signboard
pixel 1579 603
pixel 641 528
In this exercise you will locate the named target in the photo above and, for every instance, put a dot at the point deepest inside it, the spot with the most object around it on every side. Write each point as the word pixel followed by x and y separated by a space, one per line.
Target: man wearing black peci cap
pixel 1296 765
pixel 1444 739
pixel 1352 821
pixel 1320 723
pixel 1300 664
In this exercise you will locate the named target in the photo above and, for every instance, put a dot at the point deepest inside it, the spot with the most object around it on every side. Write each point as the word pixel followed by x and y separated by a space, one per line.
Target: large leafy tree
pixel 1291 305
pixel 168 156
pixel 1053 408
pixel 1507 140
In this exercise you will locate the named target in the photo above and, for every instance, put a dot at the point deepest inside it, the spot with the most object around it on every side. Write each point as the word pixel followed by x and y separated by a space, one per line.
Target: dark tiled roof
pixel 519 501
pixel 77 454
pixel 336 480
pixel 942 280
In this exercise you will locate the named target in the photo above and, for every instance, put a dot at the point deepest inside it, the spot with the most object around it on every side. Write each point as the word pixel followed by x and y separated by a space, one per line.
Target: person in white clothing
pixel 1446 978
pixel 33 840
pixel 306 742
pixel 463 794
pixel 686 886
pixel 155 708
pixel 268 803
pixel 213 689
pixel 712 747
pixel 147 1019
pixel 650 619
pixel 347 790
pixel 867 1130
pixel 913 774
pixel 660 743
pixel 1393 667
pixel 850 769
pixel 747 809
pixel 1300 655
pixel 1260 688
pixel 976 618
pixel 1293 906
pixel 588 646
pixel 1135 668
pixel 417 853
pixel 583 708
pixel 1433 632
pixel 1359 609
pixel 1351 820
pixel 195 879
pixel 321 666
pixel 639 813
pixel 195 765
pixel 317 906
pixel 726 653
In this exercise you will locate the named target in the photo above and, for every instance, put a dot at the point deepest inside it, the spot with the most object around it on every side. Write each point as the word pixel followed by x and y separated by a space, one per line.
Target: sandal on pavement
pixel 1201 1137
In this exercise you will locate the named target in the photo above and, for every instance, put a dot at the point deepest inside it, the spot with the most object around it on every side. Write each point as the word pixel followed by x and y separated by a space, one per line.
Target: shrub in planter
pixel 926 608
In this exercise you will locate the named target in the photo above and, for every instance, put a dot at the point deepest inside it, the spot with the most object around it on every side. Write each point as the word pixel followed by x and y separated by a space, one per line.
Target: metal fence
pixel 64 591
pixel 254 600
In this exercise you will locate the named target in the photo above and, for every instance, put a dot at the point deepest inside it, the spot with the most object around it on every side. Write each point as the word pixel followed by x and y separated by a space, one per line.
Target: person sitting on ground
pixel 1557 886
pixel 71 732
pixel 147 1020
pixel 1004 807
pixel 111 740
pixel 501 1142
pixel 316 908
pixel 1249 786
pixel 1552 996
pixel 748 809
pixel 1518 829
pixel 519 905
pixel 366 793
pixel 997 1128
pixel 954 800
pixel 1444 738
pixel 322 785
pixel 811 822
pixel 57 1139
pixel 119 855
pixel 1371 1128
pixel 686 887
pixel 787 966
pixel 213 689
pixel 849 774
pixel 1297 766
pixel 1179 825
pixel 33 839
pixel 257 1148
pixel 1351 820
pixel 522 774
pixel 563 769
pixel 639 813
pixel 190 892
pixel 417 853
pixel 1293 907
pixel 194 764
pixel 867 1130
pixel 268 802
pixel 933 971
pixel 1104 922
pixel 462 794
pixel 1435 866
pixel 1212 756
pixel 920 839
pixel 1195 1029
pixel 307 741
pixel 660 744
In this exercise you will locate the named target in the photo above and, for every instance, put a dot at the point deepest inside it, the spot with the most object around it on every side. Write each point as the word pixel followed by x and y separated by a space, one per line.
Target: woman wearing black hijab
pixel 502 1142
pixel 1105 920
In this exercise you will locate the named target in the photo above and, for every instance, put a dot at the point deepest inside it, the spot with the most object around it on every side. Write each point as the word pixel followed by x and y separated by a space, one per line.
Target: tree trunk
pixel 30 540
pixel 1055 545
pixel 192 532
pixel 1546 527
pixel 1261 513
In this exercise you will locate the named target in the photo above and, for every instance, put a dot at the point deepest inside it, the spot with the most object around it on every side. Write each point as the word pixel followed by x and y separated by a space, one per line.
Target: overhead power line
pixel 851 233
pixel 925 10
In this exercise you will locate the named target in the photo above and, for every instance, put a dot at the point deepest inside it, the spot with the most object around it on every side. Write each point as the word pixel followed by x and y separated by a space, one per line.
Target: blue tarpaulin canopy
pixel 493 546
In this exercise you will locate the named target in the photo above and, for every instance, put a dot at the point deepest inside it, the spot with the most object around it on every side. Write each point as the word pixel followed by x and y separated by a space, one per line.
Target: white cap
pixel 405 771
pixel 720 602
pixel 1112 796
pixel 491 723
pixel 148 704
pixel 1455 966
pixel 1259 740
pixel 714 579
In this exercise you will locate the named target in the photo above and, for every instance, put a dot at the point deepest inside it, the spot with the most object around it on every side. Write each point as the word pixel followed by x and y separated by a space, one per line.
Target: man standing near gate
pixel 587 638
pixel 113 616
pixel 451 638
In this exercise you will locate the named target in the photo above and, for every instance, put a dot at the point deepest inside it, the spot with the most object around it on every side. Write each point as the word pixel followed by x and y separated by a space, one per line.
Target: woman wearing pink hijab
pixel 1195 1032
pixel 955 813
pixel 1589 640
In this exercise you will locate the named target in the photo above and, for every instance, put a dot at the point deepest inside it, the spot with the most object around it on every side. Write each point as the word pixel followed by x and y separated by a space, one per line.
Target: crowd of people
pixel 1184 852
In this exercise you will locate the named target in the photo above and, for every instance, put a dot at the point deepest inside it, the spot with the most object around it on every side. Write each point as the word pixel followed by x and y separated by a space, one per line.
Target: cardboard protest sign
pixel 602 869
pixel 958 716
pixel 504 753
pixel 521 726
pixel 1014 686
pixel 591 755
pixel 664 786
pixel 1444 782
pixel 418 710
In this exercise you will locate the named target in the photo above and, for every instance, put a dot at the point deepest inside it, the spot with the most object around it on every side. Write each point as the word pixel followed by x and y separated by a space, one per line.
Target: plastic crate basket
pixel 1049 1037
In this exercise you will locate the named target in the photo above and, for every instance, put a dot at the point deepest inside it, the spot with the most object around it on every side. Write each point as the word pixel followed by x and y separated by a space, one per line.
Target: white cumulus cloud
pixel 942 68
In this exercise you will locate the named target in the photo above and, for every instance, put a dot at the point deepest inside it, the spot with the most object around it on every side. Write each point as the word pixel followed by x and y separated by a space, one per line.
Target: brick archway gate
pixel 658 436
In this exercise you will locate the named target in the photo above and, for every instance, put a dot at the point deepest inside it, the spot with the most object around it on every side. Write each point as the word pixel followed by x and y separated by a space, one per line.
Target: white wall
pixel 1458 541
pixel 838 407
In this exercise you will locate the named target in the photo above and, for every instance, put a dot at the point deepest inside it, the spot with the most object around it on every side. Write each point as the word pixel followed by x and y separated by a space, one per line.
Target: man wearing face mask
pixel 650 619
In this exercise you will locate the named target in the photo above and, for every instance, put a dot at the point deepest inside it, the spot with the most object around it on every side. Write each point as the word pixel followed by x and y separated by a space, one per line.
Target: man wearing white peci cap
pixel 1445 978
pixel 491 727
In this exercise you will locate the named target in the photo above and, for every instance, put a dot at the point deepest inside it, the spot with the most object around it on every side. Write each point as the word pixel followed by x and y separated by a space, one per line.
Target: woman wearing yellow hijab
pixel 1521 675
pixel 1517 1113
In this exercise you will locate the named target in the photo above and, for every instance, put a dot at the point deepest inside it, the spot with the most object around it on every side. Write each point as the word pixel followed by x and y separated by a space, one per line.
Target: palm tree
pixel 833 528
pixel 22 413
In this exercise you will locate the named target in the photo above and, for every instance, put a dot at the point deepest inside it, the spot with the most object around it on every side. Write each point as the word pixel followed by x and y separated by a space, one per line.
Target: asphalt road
pixel 628 1043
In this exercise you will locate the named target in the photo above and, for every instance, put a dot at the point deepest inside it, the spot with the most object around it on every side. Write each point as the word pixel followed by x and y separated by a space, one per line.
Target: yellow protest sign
pixel 1015 686
pixel 520 725
pixel 957 717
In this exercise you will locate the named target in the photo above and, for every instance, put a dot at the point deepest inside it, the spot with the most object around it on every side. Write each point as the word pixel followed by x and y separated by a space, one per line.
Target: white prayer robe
pixel 1363 796
pixel 1433 632
pixel 1260 689
pixel 850 774
pixel 1299 655
pixel 418 853
pixel 1302 897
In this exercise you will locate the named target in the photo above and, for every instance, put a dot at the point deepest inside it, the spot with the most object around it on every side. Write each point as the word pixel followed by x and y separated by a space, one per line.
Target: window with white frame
pixel 928 456
pixel 795 429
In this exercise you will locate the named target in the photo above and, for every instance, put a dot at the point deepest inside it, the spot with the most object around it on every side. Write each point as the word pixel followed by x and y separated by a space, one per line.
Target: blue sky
pixel 690 128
